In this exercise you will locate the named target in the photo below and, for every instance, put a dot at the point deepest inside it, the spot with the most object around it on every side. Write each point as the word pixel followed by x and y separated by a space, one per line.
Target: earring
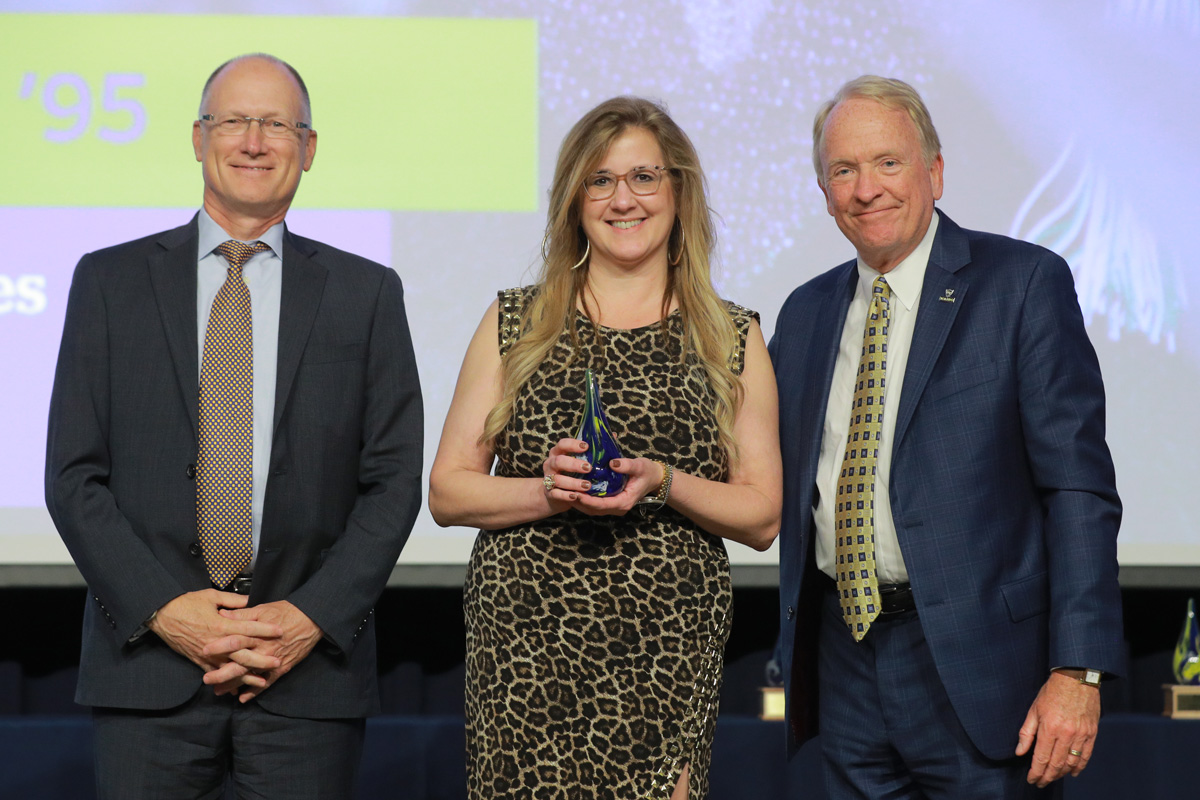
pixel 682 239
pixel 586 253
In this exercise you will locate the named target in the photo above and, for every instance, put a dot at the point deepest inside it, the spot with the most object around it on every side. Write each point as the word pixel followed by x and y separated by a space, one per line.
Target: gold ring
pixel 1075 752
pixel 548 482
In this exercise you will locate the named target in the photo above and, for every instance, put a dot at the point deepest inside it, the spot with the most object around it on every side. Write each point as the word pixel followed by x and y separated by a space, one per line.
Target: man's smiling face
pixel 251 176
pixel 877 185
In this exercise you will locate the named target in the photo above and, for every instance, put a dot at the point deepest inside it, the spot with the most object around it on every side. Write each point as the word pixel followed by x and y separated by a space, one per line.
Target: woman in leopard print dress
pixel 596 625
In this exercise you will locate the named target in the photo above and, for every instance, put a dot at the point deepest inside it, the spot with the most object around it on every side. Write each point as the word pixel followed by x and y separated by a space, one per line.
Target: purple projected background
pixel 1071 124
pixel 47 242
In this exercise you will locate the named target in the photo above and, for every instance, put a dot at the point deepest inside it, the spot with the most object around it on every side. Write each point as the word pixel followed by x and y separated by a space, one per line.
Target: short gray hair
pixel 890 93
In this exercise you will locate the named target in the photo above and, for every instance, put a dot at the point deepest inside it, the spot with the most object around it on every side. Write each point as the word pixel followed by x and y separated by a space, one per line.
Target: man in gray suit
pixel 234 462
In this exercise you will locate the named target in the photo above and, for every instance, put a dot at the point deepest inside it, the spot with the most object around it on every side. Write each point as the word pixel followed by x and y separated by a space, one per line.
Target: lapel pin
pixel 948 297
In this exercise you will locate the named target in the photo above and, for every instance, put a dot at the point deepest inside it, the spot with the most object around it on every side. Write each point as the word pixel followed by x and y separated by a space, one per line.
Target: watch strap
pixel 1087 676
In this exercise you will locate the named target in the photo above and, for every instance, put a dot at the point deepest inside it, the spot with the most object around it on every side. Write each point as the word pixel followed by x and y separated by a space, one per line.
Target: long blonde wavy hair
pixel 709 332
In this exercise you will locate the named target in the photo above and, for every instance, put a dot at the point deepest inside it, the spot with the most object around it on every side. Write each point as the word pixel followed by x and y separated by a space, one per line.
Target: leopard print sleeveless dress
pixel 595 644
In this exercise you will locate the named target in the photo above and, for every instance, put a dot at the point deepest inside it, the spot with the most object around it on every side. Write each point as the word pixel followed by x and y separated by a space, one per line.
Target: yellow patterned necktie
pixel 858 586
pixel 224 469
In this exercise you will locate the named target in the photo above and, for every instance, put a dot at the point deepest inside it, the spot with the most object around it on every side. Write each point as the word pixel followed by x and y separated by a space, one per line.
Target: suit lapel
pixel 943 294
pixel 828 322
pixel 303 285
pixel 173 278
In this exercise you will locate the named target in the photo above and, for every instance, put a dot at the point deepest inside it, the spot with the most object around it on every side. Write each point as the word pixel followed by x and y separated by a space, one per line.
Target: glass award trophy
pixel 1186 663
pixel 1182 698
pixel 602 447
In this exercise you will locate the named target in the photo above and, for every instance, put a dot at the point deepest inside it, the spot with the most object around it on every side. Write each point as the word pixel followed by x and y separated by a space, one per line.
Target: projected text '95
pixel 117 114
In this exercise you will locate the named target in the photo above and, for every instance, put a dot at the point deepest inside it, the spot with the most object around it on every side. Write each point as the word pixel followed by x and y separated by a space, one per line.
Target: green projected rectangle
pixel 412 114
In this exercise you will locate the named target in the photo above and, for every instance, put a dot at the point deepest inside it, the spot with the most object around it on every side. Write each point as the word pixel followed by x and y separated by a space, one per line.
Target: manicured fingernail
pixel 586 486
pixel 587 467
pixel 572 496
pixel 615 463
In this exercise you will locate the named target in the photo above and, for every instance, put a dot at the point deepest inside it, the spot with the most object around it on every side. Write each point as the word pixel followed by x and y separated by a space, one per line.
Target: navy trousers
pixel 887 728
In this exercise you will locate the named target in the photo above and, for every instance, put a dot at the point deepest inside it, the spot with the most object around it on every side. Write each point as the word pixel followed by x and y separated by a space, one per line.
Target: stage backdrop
pixel 1071 124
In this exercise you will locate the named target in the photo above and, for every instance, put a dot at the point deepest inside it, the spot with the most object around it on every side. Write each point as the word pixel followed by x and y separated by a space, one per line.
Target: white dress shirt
pixel 905 280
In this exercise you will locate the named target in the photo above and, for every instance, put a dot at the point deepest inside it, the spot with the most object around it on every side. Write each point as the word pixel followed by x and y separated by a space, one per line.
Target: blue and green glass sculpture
pixel 602 447
pixel 1186 663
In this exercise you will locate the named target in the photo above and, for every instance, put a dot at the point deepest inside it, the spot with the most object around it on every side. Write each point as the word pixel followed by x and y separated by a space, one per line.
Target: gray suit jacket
pixel 345 472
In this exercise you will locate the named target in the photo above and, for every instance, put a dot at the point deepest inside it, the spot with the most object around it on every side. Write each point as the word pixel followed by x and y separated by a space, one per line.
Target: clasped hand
pixel 567 466
pixel 241 650
pixel 254 663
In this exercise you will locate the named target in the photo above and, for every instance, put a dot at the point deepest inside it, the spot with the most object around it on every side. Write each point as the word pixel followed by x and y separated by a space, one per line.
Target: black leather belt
pixel 894 598
pixel 240 585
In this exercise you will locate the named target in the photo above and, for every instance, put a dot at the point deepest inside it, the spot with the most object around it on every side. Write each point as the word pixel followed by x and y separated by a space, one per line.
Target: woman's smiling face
pixel 629 230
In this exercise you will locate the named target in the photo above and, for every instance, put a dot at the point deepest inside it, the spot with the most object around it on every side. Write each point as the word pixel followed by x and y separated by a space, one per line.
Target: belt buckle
pixel 241 584
pixel 901 593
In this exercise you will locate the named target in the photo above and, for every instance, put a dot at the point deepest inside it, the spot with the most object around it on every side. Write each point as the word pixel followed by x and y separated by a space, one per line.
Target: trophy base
pixel 774 704
pixel 1181 702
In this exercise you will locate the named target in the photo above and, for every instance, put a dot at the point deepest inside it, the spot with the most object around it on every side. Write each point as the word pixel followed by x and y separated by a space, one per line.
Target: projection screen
pixel 1070 124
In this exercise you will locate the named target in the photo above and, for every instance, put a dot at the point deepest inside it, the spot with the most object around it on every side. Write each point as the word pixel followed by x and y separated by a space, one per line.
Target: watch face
pixel 1091 677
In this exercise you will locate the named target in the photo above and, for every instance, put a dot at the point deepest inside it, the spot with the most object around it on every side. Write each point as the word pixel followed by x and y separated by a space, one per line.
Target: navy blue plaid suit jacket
pixel 1002 486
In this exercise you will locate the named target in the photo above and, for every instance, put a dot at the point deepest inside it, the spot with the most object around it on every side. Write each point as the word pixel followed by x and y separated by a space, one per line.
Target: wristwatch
pixel 1088 677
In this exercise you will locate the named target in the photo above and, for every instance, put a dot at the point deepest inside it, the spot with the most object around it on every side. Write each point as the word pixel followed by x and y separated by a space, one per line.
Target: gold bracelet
pixel 658 489
pixel 664 491
pixel 659 498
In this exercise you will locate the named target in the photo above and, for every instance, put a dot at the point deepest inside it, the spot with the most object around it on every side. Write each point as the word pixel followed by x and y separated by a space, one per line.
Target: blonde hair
pixel 889 93
pixel 709 332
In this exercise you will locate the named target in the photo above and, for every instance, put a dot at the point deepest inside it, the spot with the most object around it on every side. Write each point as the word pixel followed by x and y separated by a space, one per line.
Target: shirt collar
pixel 211 235
pixel 906 278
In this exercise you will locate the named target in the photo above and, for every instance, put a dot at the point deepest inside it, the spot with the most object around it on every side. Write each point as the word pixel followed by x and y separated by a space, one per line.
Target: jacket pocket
pixel 963 379
pixel 331 352
pixel 1027 597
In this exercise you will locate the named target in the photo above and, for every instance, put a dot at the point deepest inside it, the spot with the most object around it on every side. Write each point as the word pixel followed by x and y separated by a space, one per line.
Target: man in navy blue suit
pixel 948 573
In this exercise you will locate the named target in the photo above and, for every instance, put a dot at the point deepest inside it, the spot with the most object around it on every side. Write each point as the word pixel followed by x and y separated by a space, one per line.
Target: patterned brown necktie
pixel 858 586
pixel 224 469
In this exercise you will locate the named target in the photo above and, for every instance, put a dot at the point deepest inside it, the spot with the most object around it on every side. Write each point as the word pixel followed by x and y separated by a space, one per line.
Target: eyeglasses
pixel 273 127
pixel 640 180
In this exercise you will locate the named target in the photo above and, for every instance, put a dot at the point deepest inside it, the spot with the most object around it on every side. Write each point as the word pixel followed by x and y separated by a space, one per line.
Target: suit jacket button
pixel 194 549
pixel 190 471
pixel 791 612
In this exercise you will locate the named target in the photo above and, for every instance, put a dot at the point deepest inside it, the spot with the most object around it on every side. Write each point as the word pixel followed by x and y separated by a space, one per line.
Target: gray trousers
pixel 210 743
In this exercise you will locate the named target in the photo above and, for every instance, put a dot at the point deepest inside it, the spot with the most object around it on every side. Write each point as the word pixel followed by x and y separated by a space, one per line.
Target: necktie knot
pixel 238 253
pixel 880 305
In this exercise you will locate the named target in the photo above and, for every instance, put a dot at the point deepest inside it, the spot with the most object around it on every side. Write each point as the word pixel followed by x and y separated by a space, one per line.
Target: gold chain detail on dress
pixel 700 711
pixel 512 303
pixel 741 320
